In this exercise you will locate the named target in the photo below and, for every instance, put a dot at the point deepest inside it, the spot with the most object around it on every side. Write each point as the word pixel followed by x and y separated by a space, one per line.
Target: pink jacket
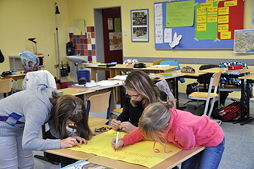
pixel 186 131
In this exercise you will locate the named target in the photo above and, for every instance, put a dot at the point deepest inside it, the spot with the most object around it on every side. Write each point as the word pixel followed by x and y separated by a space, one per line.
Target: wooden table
pixel 115 70
pixel 17 76
pixel 168 163
pixel 96 123
pixel 74 91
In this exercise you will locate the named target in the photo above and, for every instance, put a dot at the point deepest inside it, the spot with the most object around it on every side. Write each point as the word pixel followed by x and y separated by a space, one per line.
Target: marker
pixel 117 138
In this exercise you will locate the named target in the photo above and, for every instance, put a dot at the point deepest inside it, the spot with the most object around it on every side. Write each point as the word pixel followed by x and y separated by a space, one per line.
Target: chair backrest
pixel 98 105
pixel 214 82
pixel 6 85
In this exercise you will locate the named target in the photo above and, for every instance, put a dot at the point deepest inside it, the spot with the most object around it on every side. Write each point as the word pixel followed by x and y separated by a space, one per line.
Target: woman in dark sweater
pixel 140 93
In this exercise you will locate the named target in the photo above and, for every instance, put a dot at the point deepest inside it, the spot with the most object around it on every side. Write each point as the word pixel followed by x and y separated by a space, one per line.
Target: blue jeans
pixel 208 159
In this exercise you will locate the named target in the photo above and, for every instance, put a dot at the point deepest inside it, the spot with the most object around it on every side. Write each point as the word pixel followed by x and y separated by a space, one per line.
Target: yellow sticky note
pixel 225 35
pixel 230 3
pixel 223 19
pixel 201 19
pixel 206 5
pixel 223 27
pixel 212 10
pixel 212 18
pixel 140 153
pixel 223 11
pixel 201 11
pixel 201 27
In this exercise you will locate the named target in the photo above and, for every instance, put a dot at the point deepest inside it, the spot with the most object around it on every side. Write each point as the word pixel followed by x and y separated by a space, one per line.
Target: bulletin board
pixel 210 24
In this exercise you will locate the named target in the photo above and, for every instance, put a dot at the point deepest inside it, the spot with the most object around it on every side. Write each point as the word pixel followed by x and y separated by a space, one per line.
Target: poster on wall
pixel 115 41
pixel 139 25
pixel 244 41
pixel 110 23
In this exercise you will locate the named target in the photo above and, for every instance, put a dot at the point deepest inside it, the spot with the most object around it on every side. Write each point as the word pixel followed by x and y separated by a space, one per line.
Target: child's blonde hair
pixel 155 119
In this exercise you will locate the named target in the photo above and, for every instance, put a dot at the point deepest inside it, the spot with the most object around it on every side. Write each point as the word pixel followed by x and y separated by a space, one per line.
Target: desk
pixel 97 122
pixel 74 91
pixel 17 76
pixel 168 163
pixel 115 70
pixel 245 91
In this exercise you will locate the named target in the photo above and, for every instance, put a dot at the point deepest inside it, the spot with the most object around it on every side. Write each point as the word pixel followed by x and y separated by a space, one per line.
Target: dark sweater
pixel 132 114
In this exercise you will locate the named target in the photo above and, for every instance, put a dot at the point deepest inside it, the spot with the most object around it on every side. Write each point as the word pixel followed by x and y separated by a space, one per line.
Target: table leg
pixel 93 74
pixel 245 100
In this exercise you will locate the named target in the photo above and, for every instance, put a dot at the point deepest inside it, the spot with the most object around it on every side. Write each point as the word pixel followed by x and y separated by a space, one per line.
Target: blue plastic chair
pixel 173 63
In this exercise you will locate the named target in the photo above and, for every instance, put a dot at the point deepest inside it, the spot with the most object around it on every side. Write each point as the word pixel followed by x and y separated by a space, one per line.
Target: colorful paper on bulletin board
pixel 140 153
pixel 206 21
pixel 117 24
pixel 234 11
pixel 180 14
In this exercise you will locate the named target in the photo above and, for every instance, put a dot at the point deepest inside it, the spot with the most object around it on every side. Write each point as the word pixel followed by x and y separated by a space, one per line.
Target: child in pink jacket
pixel 165 124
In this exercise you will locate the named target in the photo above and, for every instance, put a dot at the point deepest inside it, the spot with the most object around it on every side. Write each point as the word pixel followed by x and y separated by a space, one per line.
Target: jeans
pixel 208 159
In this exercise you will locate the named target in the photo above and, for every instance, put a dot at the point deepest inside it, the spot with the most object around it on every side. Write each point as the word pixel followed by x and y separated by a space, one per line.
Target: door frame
pixel 99 38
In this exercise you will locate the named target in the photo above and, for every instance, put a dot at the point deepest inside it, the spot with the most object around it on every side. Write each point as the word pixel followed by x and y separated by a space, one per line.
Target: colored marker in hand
pixel 117 138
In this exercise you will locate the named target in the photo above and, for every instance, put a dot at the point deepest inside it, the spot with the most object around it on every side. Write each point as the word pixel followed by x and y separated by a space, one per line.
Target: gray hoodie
pixel 32 108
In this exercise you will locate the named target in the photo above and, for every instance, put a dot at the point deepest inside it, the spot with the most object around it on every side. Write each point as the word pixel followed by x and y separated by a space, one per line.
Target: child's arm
pixel 134 137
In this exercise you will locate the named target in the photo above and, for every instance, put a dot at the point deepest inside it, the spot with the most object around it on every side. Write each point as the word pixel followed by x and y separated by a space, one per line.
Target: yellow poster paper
pixel 140 153
pixel 201 19
pixel 230 3
pixel 223 27
pixel 223 19
pixel 201 11
pixel 225 35
pixel 212 10
pixel 212 18
pixel 201 27
pixel 223 11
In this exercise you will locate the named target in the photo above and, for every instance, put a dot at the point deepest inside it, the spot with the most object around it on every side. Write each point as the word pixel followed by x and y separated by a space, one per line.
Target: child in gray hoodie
pixel 22 115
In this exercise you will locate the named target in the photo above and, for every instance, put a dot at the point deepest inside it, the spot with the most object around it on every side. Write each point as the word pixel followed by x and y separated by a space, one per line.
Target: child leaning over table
pixel 165 124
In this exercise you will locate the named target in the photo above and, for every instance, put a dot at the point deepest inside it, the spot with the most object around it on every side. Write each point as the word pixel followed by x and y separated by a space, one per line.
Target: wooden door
pixel 112 33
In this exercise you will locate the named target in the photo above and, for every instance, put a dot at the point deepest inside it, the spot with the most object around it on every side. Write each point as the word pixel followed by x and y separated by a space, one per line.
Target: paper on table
pixel 120 77
pixel 140 153
pixel 109 82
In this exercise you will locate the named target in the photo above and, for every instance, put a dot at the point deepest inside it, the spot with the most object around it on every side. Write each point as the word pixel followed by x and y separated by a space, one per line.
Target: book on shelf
pixel 85 165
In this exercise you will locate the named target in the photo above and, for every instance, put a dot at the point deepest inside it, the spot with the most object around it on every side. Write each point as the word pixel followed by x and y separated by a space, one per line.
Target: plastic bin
pixel 84 73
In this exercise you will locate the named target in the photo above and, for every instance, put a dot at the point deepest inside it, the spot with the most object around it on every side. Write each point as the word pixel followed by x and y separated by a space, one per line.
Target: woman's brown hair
pixel 140 82
pixel 72 108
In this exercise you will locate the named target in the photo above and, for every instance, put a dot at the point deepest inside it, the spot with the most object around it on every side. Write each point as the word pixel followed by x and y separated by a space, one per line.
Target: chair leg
pixel 206 105
pixel 211 108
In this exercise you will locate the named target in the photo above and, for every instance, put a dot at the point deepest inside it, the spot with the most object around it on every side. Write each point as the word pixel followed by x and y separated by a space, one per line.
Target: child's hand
pixel 80 140
pixel 115 124
pixel 68 142
pixel 127 126
pixel 119 145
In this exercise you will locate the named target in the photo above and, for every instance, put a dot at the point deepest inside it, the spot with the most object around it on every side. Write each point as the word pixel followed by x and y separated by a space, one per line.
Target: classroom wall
pixel 79 9
pixel 24 19
pixel 84 9
pixel 21 20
